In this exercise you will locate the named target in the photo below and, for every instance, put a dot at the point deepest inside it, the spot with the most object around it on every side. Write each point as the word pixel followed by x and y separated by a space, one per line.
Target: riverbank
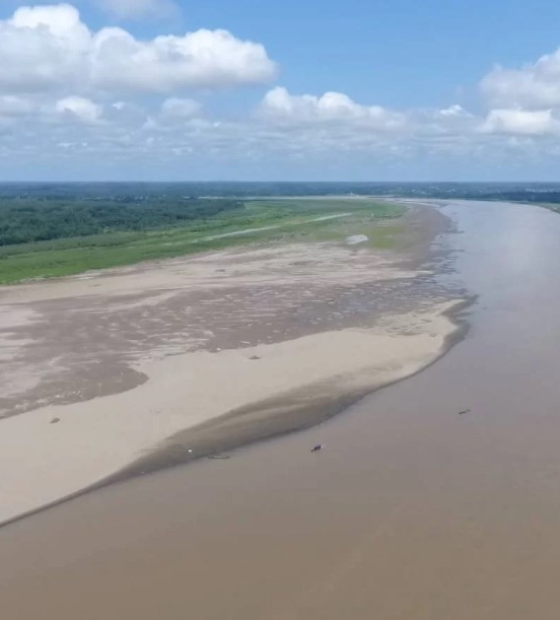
pixel 121 372
pixel 166 228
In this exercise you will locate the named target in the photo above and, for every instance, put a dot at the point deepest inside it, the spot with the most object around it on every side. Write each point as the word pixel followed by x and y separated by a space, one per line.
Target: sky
pixel 353 90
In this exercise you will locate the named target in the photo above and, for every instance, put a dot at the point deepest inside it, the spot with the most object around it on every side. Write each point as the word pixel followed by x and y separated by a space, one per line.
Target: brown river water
pixel 411 512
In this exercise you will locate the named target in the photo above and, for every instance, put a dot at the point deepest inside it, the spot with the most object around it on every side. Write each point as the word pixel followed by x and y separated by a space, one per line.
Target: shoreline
pixel 280 415
pixel 230 432
pixel 215 399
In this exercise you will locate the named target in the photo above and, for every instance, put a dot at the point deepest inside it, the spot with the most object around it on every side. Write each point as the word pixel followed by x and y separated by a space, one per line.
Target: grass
pixel 291 219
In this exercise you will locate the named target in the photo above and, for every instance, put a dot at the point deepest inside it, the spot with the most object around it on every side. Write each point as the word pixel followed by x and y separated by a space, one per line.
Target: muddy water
pixel 411 512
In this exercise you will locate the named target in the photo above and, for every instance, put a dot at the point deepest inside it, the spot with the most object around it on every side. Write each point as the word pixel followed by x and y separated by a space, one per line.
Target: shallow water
pixel 411 512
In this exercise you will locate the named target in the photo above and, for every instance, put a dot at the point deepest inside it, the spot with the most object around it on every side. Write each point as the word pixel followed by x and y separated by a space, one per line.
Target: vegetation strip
pixel 128 233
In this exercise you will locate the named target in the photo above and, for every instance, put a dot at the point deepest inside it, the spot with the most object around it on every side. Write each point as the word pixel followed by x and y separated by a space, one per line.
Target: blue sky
pixel 245 89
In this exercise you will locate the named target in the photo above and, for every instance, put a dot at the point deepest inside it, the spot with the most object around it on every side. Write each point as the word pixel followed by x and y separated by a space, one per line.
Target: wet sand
pixel 115 374
pixel 410 511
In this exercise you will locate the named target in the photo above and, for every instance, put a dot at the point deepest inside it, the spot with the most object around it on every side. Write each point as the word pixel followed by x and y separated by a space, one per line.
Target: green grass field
pixel 291 219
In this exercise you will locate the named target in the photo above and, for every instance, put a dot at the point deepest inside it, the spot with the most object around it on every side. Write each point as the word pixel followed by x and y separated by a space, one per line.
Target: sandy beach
pixel 121 372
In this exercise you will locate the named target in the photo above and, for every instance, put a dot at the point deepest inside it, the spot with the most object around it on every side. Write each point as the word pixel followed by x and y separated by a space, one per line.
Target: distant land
pixel 520 191
pixel 59 229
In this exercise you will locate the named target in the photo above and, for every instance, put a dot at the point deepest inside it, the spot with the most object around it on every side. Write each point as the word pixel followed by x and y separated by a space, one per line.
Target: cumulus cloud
pixel 520 122
pixel 532 86
pixel 111 97
pixel 203 59
pixel 454 111
pixel 526 100
pixel 79 108
pixel 42 48
pixel 332 106
pixel 50 48
pixel 180 109
pixel 136 9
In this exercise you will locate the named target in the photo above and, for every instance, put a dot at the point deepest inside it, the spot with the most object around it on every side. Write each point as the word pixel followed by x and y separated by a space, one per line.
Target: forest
pixel 32 212
pixel 27 219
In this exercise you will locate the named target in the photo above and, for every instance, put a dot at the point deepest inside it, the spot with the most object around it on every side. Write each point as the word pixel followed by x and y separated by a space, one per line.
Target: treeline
pixel 148 193
pixel 24 220
pixel 524 196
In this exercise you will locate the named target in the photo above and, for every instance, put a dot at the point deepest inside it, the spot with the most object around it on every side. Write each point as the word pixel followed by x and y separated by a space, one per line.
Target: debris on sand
pixel 55 421
pixel 464 411
pixel 318 448
pixel 357 239
pixel 255 357
pixel 219 457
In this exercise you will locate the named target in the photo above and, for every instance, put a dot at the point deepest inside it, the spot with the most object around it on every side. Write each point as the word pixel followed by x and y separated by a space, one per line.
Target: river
pixel 411 512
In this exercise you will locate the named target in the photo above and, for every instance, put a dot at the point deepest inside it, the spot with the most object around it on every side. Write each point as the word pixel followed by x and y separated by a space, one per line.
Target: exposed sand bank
pixel 120 372
pixel 41 462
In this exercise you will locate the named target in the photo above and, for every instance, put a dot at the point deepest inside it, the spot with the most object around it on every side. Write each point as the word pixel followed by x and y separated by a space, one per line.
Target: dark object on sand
pixel 464 411
pixel 255 357
pixel 219 457
pixel 318 448
pixel 55 420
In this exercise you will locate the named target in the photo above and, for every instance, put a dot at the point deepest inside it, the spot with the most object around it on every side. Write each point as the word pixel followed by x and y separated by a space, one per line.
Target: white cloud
pixel 136 9
pixel 203 59
pixel 524 101
pixel 80 109
pixel 332 106
pixel 533 86
pixel 106 97
pixel 520 122
pixel 42 48
pixel 50 48
pixel 454 111
pixel 180 109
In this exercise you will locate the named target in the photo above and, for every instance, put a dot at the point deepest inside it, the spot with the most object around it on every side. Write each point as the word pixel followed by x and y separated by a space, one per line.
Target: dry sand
pixel 126 370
